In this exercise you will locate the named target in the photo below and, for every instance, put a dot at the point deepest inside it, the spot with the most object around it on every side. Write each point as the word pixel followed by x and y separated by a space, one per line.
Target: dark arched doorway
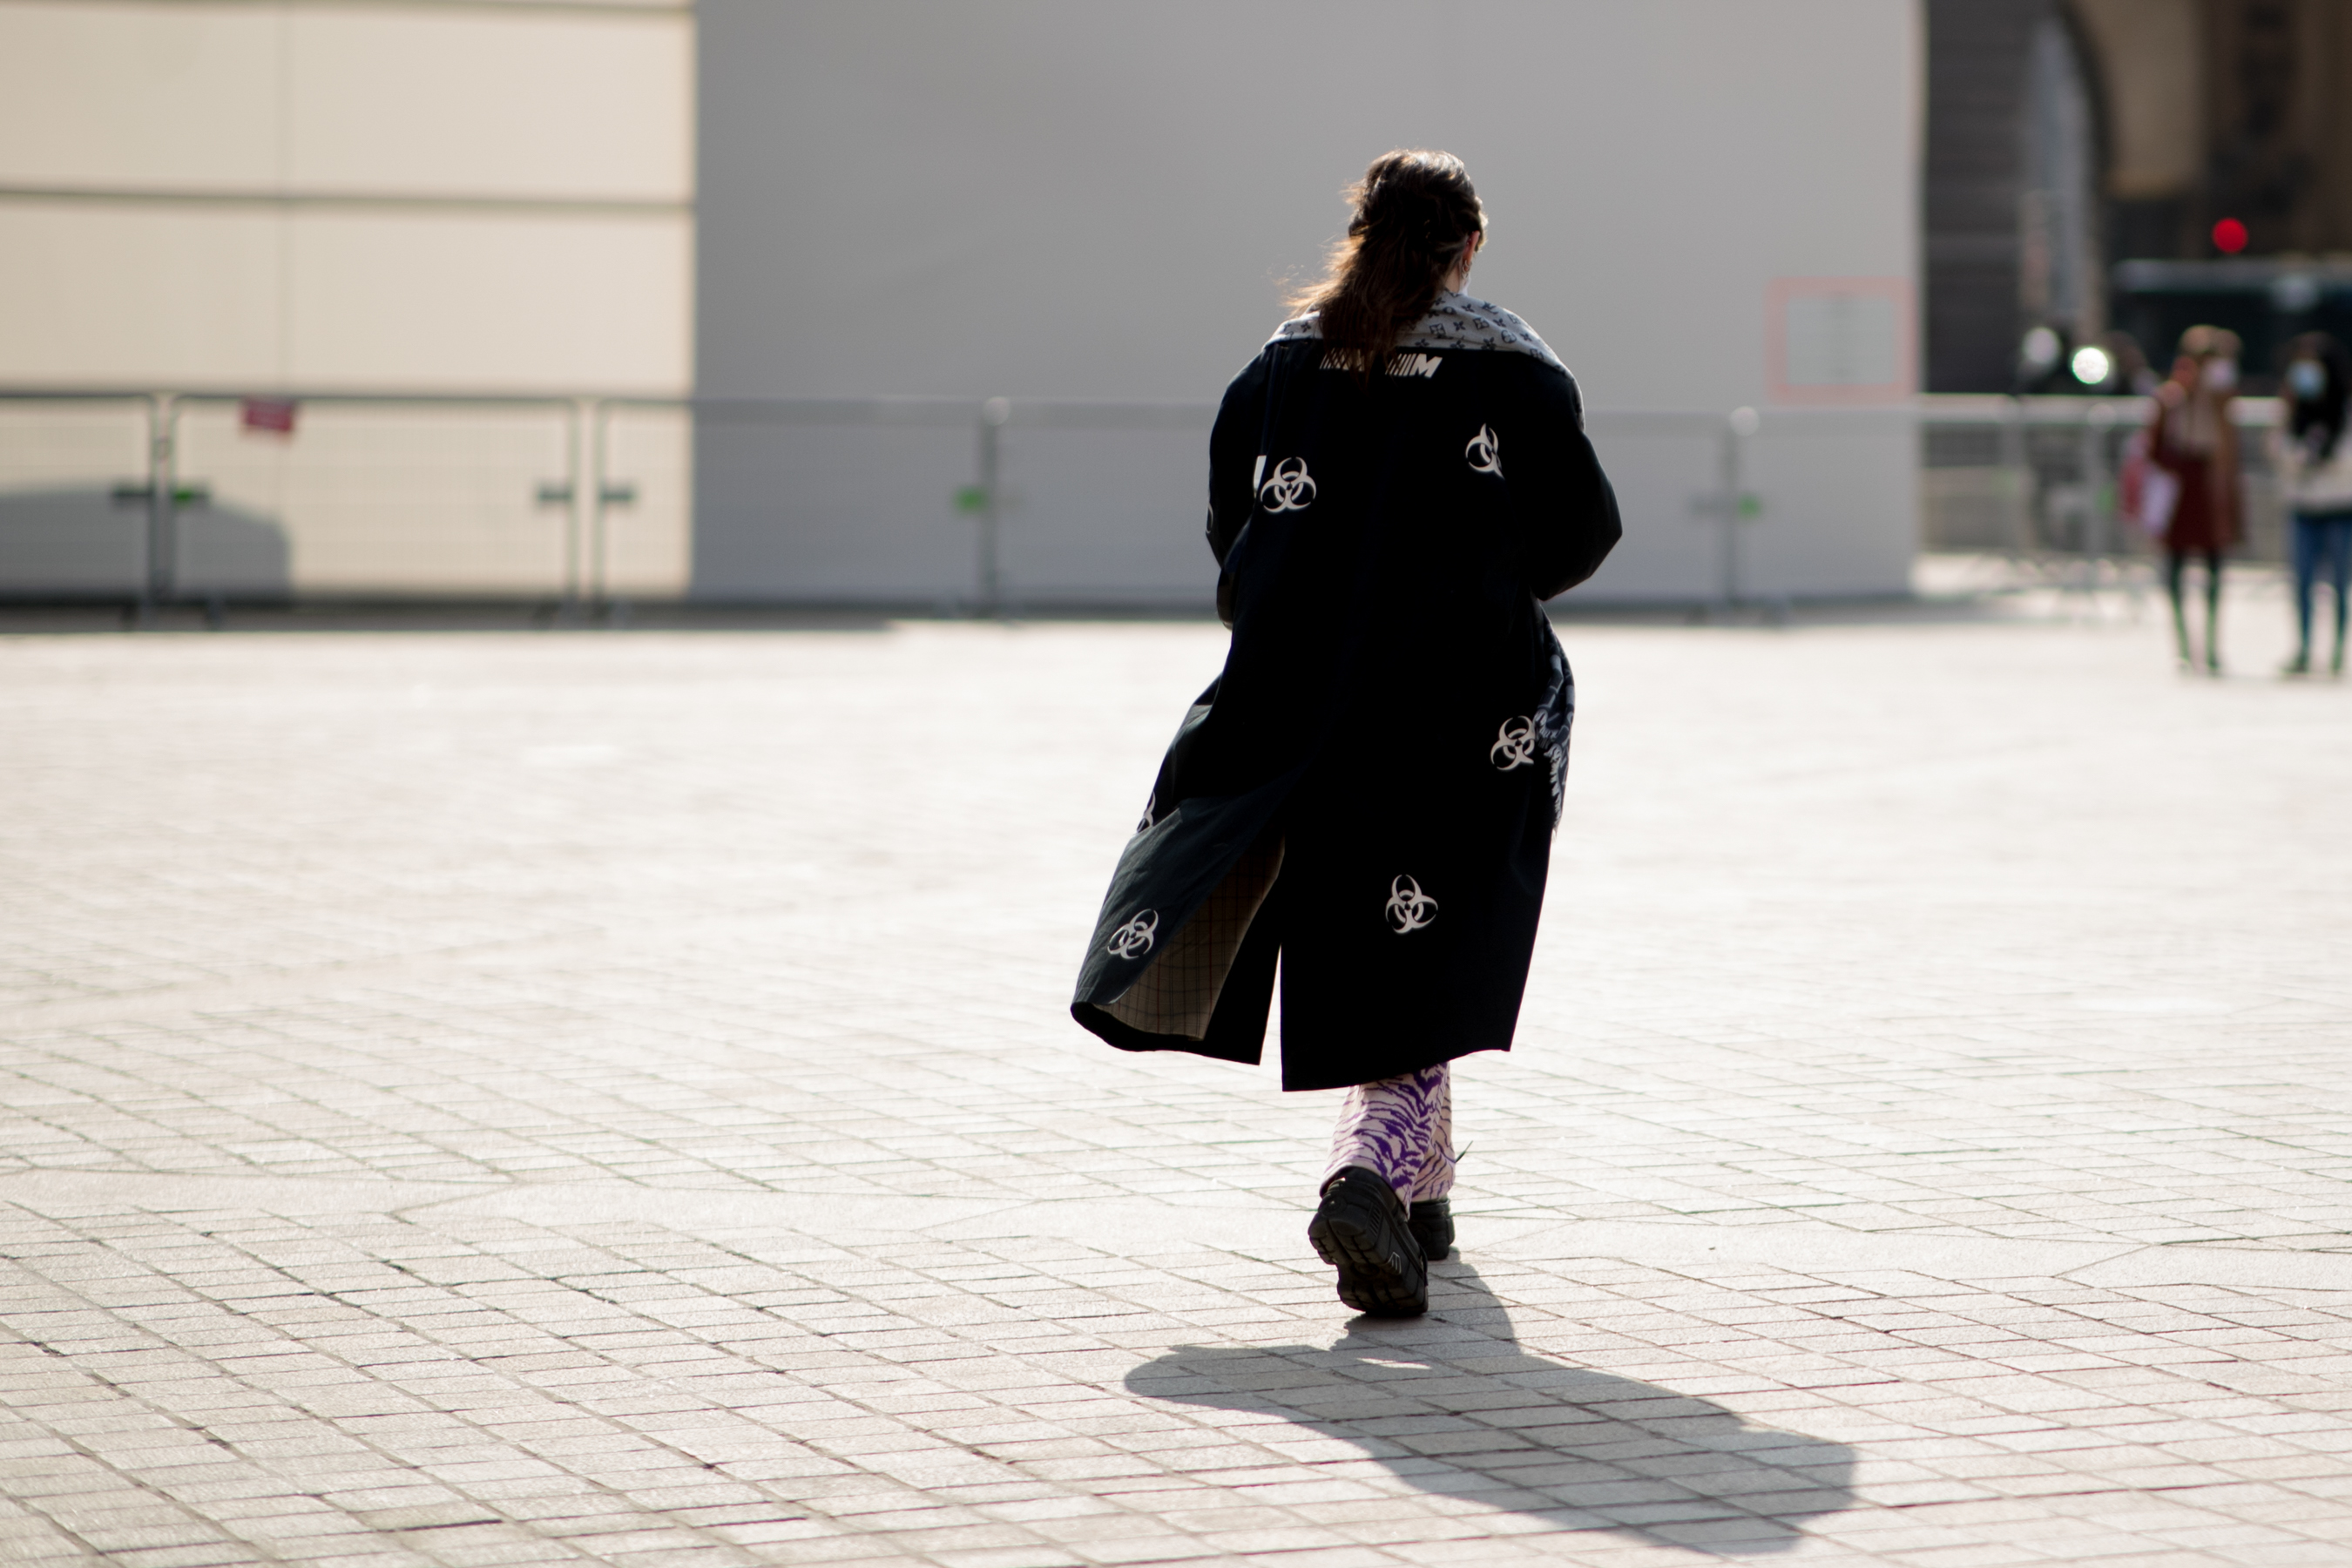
pixel 2013 187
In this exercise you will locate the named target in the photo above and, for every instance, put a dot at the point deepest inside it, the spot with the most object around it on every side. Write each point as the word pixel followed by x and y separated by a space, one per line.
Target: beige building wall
pixel 254 197
pixel 428 196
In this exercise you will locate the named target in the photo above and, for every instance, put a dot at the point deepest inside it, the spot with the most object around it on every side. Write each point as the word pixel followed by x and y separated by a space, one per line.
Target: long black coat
pixel 1369 789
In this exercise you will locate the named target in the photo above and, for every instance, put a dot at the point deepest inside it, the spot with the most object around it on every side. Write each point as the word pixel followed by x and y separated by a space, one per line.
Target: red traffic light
pixel 2228 236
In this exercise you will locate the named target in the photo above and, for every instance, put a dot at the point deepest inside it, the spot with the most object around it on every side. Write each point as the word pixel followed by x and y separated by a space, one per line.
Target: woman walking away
pixel 2316 460
pixel 1368 790
pixel 2191 437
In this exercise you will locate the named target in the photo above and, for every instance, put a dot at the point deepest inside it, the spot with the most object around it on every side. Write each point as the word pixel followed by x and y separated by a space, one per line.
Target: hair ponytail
pixel 1415 212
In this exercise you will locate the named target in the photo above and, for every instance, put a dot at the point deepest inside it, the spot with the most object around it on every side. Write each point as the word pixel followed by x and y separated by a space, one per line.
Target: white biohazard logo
pixel 1514 744
pixel 1133 940
pixel 1485 452
pixel 1288 488
pixel 1408 909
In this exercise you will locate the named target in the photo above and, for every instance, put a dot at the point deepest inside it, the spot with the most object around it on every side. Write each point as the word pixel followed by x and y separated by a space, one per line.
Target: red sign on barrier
pixel 272 416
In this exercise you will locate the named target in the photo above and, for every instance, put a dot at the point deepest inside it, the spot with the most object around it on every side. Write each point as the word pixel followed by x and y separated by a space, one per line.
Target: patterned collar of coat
pixel 1454 321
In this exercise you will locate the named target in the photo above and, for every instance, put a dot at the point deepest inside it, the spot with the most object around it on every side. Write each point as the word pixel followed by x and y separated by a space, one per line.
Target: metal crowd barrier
pixel 2035 478
pixel 448 491
pixel 564 460
pixel 984 497
pixel 585 500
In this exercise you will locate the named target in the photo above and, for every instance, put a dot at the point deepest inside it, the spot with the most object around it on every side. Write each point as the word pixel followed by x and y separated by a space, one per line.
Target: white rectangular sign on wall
pixel 1844 340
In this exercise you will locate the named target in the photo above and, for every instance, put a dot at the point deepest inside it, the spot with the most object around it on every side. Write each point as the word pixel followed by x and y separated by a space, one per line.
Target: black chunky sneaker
pixel 1359 1229
pixel 1432 1223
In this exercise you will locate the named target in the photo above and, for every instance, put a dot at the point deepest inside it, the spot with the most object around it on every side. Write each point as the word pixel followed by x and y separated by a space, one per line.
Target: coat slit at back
pixel 1364 801
pixel 1176 992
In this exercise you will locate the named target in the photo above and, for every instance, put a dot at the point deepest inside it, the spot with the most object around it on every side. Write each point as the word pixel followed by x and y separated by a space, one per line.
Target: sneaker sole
pixel 1377 1275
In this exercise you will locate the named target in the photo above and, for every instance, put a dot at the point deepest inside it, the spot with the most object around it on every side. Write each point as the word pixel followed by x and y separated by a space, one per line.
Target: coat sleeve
pixel 1233 452
pixel 1565 513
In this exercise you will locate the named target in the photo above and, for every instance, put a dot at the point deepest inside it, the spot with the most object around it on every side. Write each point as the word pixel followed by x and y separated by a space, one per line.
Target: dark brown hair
pixel 1414 213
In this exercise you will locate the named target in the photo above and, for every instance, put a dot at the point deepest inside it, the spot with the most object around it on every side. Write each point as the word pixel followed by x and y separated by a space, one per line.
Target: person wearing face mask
pixel 2191 437
pixel 2316 461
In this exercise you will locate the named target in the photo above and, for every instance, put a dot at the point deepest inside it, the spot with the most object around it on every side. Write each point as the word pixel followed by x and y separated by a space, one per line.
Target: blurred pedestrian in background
pixel 2191 437
pixel 1368 790
pixel 2316 461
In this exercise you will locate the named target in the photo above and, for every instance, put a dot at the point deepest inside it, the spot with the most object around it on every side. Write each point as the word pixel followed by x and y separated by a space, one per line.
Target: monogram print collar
pixel 1454 321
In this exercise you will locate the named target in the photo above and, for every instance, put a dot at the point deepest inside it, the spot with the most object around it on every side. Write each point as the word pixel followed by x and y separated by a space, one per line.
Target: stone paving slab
pixel 472 1098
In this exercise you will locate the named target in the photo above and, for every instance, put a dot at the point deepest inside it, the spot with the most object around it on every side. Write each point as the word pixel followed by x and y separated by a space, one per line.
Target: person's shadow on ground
pixel 1451 1405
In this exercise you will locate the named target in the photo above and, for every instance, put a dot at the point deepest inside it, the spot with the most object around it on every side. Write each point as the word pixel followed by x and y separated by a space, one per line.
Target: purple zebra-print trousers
pixel 1402 1128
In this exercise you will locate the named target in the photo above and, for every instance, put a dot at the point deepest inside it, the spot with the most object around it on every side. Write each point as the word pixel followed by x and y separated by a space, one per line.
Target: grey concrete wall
pixel 1060 199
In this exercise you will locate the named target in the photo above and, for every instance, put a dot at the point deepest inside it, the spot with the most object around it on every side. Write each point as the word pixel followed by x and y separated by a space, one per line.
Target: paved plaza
pixel 475 1097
